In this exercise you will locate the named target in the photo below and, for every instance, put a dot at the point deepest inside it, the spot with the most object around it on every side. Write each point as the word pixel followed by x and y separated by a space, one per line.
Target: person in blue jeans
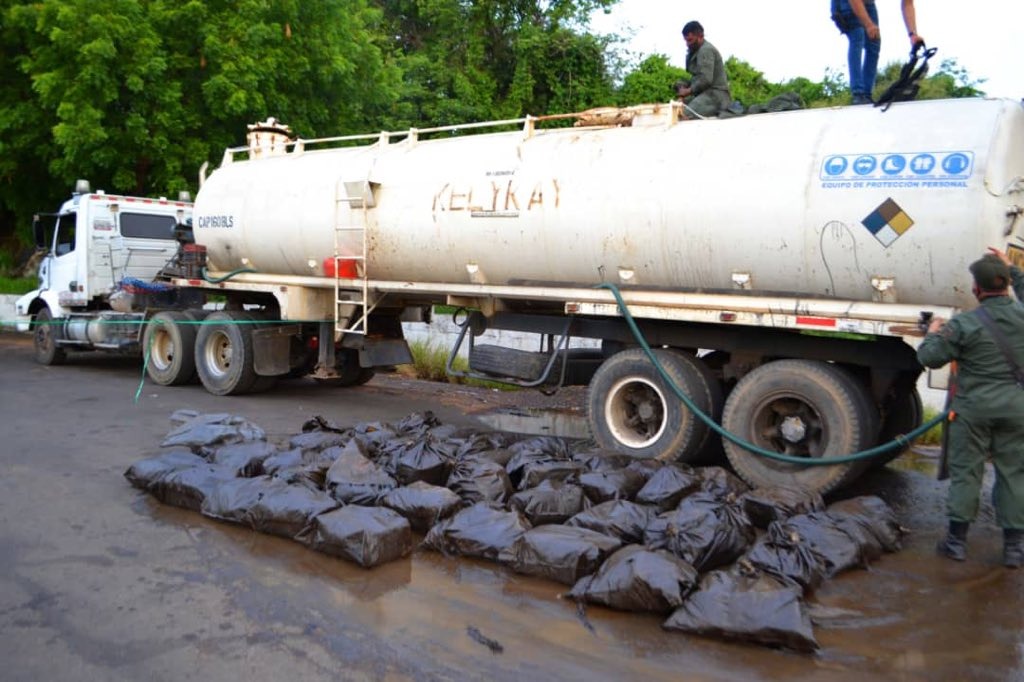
pixel 861 19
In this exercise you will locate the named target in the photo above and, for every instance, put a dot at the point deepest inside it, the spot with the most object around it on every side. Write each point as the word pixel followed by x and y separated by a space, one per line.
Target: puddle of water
pixel 924 460
pixel 538 423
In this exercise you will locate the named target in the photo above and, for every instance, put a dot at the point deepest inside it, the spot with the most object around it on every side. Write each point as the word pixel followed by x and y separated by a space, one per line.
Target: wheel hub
pixel 793 429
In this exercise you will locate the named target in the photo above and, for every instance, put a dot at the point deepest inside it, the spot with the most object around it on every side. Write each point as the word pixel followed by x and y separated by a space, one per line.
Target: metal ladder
pixel 349 195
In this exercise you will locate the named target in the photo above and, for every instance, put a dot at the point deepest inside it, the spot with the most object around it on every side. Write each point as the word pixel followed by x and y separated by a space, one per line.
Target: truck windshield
pixel 65 242
pixel 143 226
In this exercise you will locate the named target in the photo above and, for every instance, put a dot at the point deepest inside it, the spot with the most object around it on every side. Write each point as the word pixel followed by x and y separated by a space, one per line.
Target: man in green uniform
pixel 989 408
pixel 708 90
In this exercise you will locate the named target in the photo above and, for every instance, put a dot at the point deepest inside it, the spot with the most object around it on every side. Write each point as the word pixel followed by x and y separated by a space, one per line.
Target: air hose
pixel 900 441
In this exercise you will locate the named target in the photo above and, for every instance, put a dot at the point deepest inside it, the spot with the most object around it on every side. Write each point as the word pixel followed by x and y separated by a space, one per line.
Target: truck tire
pixel 224 353
pixel 801 408
pixel 171 346
pixel 904 412
pixel 632 410
pixel 349 370
pixel 44 340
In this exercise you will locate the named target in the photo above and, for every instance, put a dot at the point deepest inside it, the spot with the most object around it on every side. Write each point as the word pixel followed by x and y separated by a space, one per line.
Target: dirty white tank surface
pixel 816 202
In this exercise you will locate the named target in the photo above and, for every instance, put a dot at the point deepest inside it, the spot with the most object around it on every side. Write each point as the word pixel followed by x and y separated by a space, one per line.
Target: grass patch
pixel 428 363
pixel 18 285
pixel 932 436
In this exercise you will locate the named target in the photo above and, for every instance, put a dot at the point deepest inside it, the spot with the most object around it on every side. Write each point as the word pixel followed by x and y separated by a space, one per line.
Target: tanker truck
pixel 781 266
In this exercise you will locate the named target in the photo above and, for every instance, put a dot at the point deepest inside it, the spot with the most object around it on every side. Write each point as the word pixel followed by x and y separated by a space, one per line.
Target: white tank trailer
pixel 781 265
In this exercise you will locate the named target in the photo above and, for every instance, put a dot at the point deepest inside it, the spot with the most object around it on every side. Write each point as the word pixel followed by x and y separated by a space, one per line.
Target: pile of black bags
pixel 694 544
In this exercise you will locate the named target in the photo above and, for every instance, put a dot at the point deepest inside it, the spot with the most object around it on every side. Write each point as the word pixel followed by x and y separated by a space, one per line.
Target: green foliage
pixel 932 436
pixel 651 81
pixel 429 361
pixel 17 285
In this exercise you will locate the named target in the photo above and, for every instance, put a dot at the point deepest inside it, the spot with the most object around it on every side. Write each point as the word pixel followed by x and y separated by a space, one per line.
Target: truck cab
pixel 98 247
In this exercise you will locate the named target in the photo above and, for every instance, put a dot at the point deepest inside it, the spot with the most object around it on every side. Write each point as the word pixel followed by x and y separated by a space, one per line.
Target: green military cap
pixel 990 273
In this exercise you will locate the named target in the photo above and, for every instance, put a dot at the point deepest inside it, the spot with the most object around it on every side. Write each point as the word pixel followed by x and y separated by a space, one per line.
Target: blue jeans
pixel 863 54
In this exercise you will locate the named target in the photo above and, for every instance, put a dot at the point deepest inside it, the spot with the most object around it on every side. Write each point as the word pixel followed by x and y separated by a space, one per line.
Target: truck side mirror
pixel 39 232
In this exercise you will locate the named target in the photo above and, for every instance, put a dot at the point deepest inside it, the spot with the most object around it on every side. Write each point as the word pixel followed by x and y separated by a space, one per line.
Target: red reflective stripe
pixel 816 321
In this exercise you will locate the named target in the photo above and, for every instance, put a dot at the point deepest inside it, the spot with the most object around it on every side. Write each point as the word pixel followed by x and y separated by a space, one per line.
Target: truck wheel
pixel 172 348
pixel 903 413
pixel 44 338
pixel 631 409
pixel 349 370
pixel 800 408
pixel 224 353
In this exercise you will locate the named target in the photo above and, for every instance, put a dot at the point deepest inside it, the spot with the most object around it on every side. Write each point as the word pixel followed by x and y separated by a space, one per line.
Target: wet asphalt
pixel 100 582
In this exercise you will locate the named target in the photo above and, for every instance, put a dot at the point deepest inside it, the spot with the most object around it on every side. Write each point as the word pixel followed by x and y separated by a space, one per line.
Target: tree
pixel 136 94
pixel 465 61
pixel 651 81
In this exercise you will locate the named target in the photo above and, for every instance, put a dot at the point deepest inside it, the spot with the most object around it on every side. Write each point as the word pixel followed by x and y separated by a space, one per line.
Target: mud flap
pixel 271 349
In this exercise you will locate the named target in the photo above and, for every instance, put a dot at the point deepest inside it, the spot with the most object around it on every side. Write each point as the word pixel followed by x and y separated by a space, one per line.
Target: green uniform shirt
pixel 985 382
pixel 707 72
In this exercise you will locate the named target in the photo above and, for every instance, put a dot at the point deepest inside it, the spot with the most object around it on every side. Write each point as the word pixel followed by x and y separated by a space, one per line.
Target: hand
pixel 915 40
pixel 1001 254
pixel 936 325
pixel 873 32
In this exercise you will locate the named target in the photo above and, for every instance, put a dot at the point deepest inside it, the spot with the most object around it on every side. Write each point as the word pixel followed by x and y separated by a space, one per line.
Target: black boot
pixel 954 545
pixel 1013 548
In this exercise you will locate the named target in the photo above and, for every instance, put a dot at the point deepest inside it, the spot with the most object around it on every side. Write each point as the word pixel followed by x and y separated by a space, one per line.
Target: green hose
pixel 901 441
pixel 218 280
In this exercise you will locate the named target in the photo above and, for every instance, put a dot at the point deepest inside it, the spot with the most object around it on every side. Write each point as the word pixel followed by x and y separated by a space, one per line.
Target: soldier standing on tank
pixel 707 93
pixel 988 407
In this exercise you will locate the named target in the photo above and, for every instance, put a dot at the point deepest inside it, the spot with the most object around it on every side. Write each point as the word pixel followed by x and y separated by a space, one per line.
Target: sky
pixel 789 38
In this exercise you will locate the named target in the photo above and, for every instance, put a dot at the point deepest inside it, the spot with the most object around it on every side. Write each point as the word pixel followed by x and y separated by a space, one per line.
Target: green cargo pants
pixel 972 439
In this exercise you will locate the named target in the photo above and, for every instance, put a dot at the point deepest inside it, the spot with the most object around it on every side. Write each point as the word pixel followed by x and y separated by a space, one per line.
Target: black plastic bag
pixel 422 504
pixel 418 459
pixel 838 550
pixel 560 553
pixel 188 487
pixel 616 484
pixel 647 467
pixel 765 505
pixel 319 440
pixel 787 556
pixel 480 482
pixel 618 518
pixel 484 441
pixel 232 500
pixel 668 486
pixel 245 459
pixel 145 471
pixel 205 432
pixel 869 514
pixel 477 531
pixel 498 456
pixel 720 482
pixel 550 502
pixel 533 451
pixel 704 531
pixel 746 606
pixel 416 424
pixel 286 511
pixel 536 472
pixel 368 536
pixel 310 477
pixel 354 479
pixel 289 459
pixel 638 579
pixel 603 460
